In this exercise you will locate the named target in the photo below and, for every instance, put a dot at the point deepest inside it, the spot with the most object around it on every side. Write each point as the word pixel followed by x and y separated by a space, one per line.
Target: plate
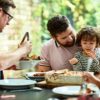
pixel 94 88
pixel 16 84
pixel 36 78
pixel 67 90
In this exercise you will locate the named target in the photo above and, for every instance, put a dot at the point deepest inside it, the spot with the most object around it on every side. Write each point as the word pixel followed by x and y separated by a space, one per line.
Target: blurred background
pixel 32 16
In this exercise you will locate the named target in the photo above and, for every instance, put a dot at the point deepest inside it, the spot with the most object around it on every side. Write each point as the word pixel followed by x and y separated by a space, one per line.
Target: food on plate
pixel 39 74
pixel 33 57
pixel 64 77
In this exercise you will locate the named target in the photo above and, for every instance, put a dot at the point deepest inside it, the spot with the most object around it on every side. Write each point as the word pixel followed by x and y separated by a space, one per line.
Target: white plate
pixel 16 83
pixel 74 90
pixel 32 73
pixel 36 78
pixel 93 87
pixel 67 90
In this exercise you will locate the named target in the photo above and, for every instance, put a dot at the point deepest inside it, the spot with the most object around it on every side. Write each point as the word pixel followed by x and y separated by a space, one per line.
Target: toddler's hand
pixel 73 61
pixel 91 54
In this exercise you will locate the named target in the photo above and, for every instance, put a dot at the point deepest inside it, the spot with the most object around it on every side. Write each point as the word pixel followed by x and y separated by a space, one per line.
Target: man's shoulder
pixel 48 46
pixel 49 43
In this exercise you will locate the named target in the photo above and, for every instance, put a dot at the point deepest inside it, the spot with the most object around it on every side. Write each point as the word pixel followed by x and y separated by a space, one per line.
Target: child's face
pixel 88 44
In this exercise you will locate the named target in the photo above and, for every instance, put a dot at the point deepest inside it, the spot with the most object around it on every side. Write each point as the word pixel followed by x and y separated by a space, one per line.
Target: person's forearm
pixel 19 53
pixel 10 59
pixel 42 68
pixel 97 82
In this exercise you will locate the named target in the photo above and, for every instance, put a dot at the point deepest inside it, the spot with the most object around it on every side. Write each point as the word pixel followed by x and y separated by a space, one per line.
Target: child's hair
pixel 89 34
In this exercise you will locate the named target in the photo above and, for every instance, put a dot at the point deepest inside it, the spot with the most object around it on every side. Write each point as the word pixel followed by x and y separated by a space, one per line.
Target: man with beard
pixel 58 50
pixel 9 59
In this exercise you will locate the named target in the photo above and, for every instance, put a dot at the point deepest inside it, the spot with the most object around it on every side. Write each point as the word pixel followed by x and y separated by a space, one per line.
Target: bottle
pixel 83 88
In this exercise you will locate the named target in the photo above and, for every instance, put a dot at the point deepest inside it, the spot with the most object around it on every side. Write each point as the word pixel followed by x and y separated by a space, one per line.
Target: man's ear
pixel 0 9
pixel 53 37
pixel 0 12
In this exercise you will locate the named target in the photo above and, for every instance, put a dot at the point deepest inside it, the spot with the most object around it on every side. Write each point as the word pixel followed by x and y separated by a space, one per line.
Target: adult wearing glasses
pixel 9 59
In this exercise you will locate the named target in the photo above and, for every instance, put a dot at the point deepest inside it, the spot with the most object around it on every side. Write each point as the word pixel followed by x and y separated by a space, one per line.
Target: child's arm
pixel 96 65
pixel 75 62
pixel 96 61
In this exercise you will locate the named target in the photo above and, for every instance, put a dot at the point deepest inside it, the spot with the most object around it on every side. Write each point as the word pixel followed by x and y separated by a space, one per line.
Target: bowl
pixel 24 64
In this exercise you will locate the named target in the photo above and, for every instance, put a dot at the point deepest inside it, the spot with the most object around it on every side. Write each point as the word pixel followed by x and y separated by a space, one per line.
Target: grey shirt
pixel 56 56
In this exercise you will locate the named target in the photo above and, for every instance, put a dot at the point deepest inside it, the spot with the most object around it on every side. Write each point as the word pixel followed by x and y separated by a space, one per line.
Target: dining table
pixel 45 94
pixel 39 93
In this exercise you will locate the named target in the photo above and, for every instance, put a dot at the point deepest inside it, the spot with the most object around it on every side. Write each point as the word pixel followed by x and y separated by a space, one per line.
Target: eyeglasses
pixel 9 16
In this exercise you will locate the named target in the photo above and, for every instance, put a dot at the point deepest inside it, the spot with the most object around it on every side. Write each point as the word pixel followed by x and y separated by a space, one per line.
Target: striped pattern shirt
pixel 86 63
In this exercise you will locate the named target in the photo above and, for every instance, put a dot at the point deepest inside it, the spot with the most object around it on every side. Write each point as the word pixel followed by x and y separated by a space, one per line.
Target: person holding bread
pixel 87 59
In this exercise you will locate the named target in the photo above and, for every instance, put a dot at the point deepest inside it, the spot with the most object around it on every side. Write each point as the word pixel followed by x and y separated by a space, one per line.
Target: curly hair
pixel 87 33
pixel 57 24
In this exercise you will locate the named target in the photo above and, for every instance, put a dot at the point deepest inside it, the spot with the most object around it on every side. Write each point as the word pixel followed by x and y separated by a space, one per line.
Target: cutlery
pixel 25 36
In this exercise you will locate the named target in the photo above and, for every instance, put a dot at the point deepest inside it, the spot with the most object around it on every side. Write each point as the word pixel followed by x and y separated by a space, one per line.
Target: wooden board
pixel 44 84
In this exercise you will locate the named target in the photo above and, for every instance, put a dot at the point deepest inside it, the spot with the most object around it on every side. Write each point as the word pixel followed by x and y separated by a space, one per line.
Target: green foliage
pixel 79 12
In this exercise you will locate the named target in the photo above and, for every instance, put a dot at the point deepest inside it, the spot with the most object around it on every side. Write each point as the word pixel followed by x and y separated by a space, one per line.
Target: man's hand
pixel 27 47
pixel 42 69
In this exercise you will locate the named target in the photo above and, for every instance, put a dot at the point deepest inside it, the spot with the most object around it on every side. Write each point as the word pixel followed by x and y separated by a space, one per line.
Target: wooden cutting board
pixel 44 84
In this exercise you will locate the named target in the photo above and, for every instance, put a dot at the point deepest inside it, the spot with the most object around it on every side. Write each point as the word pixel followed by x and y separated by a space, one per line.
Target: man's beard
pixel 0 31
pixel 68 44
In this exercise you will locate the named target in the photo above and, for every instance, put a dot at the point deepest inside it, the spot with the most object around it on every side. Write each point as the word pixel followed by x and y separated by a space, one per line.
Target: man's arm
pixel 42 68
pixel 9 59
pixel 44 64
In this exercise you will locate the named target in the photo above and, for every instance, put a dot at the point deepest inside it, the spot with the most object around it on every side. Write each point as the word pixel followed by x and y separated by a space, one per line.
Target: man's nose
pixel 7 23
pixel 7 20
pixel 69 38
